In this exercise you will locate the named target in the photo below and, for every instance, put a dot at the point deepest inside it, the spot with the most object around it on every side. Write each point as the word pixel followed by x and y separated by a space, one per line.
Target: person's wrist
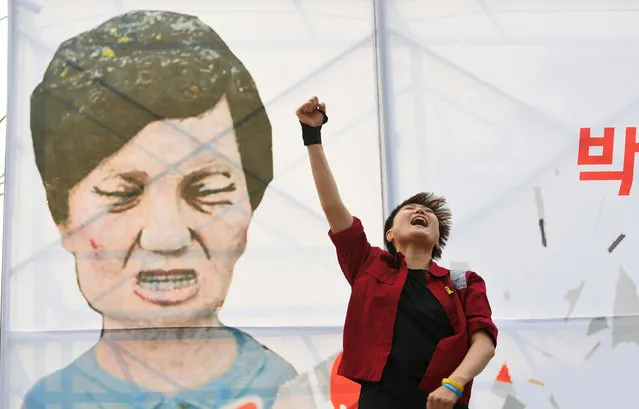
pixel 459 378
pixel 453 386
pixel 312 135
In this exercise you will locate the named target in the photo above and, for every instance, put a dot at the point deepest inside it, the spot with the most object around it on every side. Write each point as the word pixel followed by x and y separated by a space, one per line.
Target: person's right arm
pixel 347 233
pixel 337 215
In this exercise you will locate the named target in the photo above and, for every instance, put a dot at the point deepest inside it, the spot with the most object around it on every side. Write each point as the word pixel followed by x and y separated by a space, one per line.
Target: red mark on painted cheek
pixel 93 244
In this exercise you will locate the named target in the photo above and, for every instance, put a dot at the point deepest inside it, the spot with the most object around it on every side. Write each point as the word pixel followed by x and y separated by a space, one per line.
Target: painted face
pixel 414 223
pixel 156 229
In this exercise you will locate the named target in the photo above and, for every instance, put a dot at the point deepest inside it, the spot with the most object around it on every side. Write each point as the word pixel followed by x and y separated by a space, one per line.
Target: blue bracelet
pixel 454 389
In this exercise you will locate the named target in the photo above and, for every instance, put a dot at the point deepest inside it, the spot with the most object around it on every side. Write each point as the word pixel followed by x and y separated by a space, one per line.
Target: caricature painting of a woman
pixel 154 148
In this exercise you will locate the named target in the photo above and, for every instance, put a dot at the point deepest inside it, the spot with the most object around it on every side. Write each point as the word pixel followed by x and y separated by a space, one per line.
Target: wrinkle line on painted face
pixel 129 252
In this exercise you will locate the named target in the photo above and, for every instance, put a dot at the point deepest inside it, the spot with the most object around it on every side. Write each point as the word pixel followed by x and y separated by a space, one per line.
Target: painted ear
pixel 66 237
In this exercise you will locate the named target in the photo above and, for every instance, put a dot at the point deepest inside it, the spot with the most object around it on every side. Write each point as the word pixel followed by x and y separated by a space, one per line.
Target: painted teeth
pixel 166 282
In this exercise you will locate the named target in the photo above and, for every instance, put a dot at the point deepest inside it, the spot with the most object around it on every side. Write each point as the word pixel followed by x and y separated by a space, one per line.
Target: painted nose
pixel 165 231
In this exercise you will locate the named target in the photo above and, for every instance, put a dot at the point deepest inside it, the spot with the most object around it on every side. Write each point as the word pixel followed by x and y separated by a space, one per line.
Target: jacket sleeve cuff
pixel 345 237
pixel 487 325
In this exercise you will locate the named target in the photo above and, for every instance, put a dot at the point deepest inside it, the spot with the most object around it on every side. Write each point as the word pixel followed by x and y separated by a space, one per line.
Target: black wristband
pixel 312 135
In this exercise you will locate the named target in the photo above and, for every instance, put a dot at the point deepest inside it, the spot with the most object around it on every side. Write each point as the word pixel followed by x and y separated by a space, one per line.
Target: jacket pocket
pixel 448 355
pixel 382 274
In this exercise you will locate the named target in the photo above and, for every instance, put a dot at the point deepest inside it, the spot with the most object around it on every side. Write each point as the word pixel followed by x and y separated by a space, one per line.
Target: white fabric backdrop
pixel 486 101
pixel 489 100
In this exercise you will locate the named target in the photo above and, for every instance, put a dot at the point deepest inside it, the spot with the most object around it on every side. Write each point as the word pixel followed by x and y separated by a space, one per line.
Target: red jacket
pixel 377 279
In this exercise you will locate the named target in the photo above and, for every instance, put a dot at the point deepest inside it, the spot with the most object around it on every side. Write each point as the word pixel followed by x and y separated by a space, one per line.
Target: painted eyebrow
pixel 137 177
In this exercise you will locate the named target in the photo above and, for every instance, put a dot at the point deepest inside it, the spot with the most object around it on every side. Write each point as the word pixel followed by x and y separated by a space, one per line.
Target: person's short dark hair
pixel 439 207
pixel 105 85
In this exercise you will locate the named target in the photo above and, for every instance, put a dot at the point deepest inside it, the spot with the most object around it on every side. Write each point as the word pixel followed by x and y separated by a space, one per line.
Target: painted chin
pixel 166 287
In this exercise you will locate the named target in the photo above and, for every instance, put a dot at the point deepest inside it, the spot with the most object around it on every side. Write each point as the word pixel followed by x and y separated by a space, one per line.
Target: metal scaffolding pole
pixel 10 188
pixel 385 97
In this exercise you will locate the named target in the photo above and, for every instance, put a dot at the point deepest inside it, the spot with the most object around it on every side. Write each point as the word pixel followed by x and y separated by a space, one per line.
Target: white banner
pixel 490 101
pixel 123 143
pixel 143 187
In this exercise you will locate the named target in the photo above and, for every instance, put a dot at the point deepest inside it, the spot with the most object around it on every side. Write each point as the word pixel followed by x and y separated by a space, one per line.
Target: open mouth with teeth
pixel 419 221
pixel 166 287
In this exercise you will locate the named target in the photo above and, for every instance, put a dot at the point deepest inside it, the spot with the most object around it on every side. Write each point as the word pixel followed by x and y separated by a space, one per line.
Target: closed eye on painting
pixel 124 194
pixel 201 189
pixel 126 198
pixel 200 194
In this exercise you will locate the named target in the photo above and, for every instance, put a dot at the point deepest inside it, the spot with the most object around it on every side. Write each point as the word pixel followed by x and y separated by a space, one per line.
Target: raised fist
pixel 310 112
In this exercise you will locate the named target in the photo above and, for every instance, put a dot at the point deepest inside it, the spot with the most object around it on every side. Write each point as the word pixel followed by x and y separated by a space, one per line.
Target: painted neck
pixel 167 335
pixel 154 357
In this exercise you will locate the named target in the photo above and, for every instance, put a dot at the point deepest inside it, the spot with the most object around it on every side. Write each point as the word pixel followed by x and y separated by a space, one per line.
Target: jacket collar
pixel 434 269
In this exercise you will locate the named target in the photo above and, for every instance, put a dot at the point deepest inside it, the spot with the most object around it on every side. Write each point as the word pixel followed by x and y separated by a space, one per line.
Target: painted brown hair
pixel 105 85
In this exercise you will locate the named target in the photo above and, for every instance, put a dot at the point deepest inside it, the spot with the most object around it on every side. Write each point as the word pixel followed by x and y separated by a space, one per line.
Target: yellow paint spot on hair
pixel 124 39
pixel 158 37
pixel 108 52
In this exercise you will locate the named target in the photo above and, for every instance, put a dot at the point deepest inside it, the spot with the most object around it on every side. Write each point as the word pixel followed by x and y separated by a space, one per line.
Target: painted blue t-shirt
pixel 257 374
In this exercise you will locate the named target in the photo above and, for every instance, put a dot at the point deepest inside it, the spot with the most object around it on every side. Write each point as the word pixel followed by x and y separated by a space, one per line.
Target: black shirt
pixel 420 323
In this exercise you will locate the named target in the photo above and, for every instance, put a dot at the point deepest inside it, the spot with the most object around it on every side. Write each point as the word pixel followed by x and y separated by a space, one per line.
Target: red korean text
pixel 606 142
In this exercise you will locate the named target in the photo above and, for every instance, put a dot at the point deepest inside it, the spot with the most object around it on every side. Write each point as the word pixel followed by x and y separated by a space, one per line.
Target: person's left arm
pixel 482 350
pixel 483 340
pixel 483 331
